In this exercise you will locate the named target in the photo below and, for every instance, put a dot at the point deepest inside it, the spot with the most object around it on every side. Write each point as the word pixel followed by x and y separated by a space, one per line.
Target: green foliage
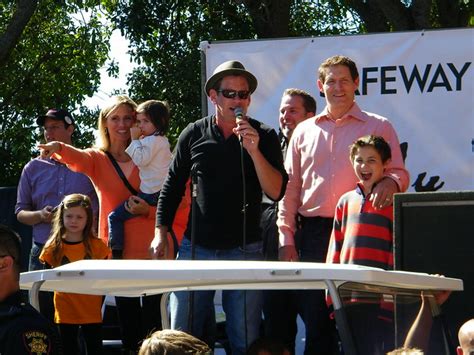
pixel 322 18
pixel 55 64
pixel 15 142
pixel 57 61
pixel 83 136
pixel 165 37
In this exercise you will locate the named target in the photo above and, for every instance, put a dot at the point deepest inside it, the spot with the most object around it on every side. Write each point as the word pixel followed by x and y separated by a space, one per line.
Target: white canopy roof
pixel 139 277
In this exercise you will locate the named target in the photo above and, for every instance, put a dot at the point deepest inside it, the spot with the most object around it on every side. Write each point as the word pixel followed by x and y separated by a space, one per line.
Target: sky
pixel 118 51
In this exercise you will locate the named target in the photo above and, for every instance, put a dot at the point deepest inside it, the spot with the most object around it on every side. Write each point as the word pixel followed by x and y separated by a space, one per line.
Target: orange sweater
pixel 111 192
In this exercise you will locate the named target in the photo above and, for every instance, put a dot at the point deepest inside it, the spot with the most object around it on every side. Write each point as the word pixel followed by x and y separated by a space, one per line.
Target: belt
pixel 303 220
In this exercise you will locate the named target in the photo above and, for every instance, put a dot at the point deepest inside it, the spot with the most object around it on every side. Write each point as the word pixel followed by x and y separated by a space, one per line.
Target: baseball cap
pixel 56 114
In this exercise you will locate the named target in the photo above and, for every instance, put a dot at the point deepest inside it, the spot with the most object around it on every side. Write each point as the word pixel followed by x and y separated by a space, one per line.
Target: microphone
pixel 239 117
pixel 239 114
pixel 194 178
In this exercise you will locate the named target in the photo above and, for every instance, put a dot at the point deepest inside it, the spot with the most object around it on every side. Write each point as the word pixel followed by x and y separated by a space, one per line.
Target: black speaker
pixel 434 233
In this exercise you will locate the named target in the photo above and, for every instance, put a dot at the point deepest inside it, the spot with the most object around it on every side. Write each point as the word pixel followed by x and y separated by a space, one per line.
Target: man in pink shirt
pixel 319 173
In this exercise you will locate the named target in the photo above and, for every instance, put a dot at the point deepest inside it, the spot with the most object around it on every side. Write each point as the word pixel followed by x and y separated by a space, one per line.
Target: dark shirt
pixel 269 216
pixel 267 202
pixel 23 330
pixel 214 165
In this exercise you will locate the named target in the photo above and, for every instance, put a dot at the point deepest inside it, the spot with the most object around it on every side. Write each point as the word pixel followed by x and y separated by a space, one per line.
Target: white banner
pixel 422 81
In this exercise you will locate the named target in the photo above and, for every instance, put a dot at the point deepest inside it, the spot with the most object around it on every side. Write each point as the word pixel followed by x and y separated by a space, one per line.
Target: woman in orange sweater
pixel 136 318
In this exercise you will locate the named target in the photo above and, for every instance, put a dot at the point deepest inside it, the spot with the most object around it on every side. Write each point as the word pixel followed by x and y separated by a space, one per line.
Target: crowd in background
pixel 319 190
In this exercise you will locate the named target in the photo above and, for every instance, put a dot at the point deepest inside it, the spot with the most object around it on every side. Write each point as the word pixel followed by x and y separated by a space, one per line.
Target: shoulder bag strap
pixel 121 174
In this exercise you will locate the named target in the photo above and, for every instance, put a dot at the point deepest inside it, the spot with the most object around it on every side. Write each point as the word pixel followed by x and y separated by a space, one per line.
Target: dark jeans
pixel 118 217
pixel 138 318
pixel 45 298
pixel 92 334
pixel 243 308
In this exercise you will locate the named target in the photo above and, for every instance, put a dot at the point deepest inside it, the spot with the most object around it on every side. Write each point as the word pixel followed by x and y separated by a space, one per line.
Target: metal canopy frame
pixel 132 278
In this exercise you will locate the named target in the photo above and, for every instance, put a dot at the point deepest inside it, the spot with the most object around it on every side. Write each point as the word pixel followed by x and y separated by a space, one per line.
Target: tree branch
pixel 23 80
pixel 9 39
pixel 270 18
pixel 396 13
pixel 420 11
pixel 374 19
pixel 453 13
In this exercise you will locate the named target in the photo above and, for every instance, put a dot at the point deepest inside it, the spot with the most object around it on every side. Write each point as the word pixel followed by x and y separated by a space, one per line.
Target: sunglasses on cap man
pixel 231 94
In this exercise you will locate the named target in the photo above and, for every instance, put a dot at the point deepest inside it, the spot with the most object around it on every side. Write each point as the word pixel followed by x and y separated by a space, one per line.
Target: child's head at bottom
pixel 369 156
pixel 173 342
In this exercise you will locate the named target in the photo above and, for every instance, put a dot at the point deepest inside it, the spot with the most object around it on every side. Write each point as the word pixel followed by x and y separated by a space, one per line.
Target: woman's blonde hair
pixel 103 140
pixel 173 342
pixel 58 230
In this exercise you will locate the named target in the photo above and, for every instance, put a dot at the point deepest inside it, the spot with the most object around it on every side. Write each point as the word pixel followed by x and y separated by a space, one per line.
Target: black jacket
pixel 203 154
pixel 23 330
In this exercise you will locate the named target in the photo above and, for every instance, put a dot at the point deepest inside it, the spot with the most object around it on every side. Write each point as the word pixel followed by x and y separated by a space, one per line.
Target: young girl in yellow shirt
pixel 72 239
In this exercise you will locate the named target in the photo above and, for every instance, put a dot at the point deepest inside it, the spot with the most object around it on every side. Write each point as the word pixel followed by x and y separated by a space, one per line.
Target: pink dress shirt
pixel 319 167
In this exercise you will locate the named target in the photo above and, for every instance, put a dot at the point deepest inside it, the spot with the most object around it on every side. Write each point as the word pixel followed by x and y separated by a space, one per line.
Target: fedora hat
pixel 232 67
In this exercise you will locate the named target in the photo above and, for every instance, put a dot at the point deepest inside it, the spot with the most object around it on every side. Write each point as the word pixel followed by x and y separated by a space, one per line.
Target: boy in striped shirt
pixel 362 234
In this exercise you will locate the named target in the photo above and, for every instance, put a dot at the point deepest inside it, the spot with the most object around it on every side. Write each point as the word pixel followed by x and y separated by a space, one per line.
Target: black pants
pixel 280 314
pixel 45 298
pixel 281 308
pixel 92 334
pixel 312 239
pixel 138 317
pixel 371 334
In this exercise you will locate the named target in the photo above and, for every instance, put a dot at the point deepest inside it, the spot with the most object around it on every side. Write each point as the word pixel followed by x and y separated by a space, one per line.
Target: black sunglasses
pixel 231 94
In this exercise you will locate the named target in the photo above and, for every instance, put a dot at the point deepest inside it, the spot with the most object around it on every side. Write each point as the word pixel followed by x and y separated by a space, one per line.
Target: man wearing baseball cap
pixel 230 158
pixel 43 184
pixel 58 125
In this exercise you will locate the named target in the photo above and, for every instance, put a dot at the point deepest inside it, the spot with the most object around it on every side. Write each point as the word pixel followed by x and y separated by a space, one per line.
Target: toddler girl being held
pixel 150 151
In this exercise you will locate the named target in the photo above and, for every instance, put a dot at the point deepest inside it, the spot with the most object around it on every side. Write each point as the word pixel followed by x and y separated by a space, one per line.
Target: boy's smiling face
pixel 368 167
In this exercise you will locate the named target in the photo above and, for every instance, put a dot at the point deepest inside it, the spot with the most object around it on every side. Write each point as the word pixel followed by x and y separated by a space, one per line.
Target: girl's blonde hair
pixel 58 230
pixel 103 140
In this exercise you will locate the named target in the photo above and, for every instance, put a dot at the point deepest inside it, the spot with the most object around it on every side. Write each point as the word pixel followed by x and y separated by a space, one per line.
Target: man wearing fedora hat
pixel 231 159
pixel 44 183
